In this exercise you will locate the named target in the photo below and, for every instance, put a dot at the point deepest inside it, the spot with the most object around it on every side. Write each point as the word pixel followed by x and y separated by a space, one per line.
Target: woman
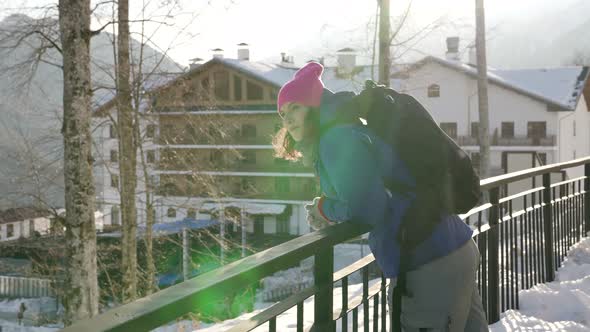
pixel 352 164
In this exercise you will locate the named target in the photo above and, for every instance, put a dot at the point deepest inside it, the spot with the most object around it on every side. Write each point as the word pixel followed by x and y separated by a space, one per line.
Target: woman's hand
pixel 315 219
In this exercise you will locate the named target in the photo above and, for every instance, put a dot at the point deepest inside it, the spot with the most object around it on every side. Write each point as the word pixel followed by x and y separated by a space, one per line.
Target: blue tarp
pixel 177 226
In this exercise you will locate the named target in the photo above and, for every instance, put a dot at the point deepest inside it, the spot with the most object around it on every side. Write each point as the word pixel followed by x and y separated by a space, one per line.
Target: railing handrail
pixel 497 181
pixel 166 305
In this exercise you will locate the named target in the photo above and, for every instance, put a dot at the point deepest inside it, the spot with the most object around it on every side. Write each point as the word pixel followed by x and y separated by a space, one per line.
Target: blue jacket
pixel 352 165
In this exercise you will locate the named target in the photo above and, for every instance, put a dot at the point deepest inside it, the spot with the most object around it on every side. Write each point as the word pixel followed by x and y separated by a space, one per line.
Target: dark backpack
pixel 446 182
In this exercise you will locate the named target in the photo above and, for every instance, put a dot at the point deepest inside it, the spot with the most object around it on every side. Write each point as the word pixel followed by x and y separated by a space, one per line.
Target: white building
pixel 23 222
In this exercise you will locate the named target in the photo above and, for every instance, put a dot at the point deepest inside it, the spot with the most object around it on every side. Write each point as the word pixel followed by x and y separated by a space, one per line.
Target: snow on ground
pixel 34 305
pixel 287 320
pixel 38 310
pixel 562 305
pixel 7 326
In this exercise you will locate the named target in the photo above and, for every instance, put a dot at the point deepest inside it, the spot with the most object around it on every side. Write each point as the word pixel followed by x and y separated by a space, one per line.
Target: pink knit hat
pixel 305 88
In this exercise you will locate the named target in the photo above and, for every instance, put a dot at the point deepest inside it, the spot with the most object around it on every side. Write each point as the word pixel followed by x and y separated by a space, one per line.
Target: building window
pixel 507 130
pixel 9 230
pixel 433 91
pixel 253 91
pixel 191 213
pixel 114 156
pixel 280 162
pixel 216 157
pixel 249 157
pixel 246 185
pixel 237 88
pixel 537 129
pixel 475 130
pixel 150 131
pixel 475 159
pixel 167 133
pixel 169 189
pixel 248 130
pixel 309 187
pixel 283 223
pixel 115 215
pixel 190 133
pixel 212 131
pixel 112 131
pixel 171 213
pixel 114 181
pixel 221 79
pixel 205 84
pixel 273 94
pixel 450 128
pixel 282 185
pixel 574 127
pixel 151 156
pixel 542 158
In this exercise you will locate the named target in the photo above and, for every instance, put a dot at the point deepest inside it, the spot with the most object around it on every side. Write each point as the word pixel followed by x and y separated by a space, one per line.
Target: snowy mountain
pixel 31 146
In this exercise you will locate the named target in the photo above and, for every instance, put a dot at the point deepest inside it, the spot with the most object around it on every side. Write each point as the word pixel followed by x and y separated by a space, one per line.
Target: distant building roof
pixel 561 86
pixel 249 208
pixel 22 213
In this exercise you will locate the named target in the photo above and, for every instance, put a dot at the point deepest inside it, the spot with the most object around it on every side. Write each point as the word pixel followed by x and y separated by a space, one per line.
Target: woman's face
pixel 293 115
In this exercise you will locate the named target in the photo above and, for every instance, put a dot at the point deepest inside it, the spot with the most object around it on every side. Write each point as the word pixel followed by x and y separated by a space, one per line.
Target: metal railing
pixel 548 140
pixel 520 247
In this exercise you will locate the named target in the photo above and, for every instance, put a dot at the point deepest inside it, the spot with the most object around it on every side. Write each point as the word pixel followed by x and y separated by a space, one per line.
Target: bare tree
pixel 384 43
pixel 482 88
pixel 127 156
pixel 81 291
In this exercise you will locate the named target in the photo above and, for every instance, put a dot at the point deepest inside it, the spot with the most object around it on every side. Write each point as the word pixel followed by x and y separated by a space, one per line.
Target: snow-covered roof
pixel 177 226
pixel 278 74
pixel 167 228
pixel 268 72
pixel 561 87
pixel 249 208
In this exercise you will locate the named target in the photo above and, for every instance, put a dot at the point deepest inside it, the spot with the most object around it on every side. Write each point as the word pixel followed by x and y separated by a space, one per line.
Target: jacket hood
pixel 333 104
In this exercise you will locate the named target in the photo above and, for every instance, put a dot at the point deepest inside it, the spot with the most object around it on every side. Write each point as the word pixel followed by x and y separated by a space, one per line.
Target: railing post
pixel 548 229
pixel 323 302
pixel 587 199
pixel 493 258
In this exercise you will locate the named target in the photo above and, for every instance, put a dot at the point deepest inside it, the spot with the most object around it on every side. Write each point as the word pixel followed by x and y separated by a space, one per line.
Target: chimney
pixel 346 60
pixel 286 60
pixel 194 63
pixel 472 56
pixel 453 49
pixel 243 52
pixel 217 53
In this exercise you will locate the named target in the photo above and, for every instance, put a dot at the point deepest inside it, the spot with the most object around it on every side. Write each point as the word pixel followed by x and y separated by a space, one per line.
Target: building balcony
pixel 549 140
pixel 217 140
pixel 243 194
pixel 233 167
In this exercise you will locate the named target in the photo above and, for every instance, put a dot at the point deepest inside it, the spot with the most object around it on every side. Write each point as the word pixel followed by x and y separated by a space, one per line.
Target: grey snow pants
pixel 444 295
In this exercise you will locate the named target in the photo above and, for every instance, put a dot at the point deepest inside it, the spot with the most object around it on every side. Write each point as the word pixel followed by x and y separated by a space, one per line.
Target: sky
pixel 305 28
